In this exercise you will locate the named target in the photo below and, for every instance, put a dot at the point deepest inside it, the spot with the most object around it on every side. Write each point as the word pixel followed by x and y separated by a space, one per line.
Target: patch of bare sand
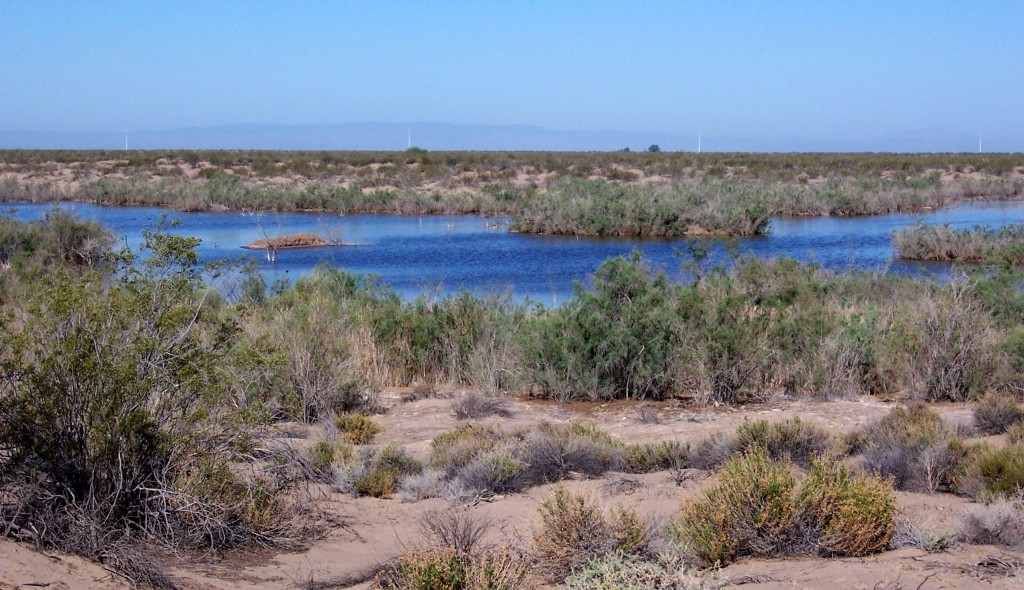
pixel 366 532
pixel 21 567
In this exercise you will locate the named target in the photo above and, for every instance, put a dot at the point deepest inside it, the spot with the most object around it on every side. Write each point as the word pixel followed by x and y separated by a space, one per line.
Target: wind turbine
pixel 126 140
pixel 698 140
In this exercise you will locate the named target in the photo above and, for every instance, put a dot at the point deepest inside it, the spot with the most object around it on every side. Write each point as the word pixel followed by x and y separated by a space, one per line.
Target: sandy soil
pixel 365 532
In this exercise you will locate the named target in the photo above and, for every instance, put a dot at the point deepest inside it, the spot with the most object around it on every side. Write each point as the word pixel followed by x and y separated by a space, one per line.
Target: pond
pixel 444 254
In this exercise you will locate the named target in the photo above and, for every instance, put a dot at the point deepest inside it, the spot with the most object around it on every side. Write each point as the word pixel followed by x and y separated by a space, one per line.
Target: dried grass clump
pixel 909 534
pixel 667 454
pixel 455 558
pixel 357 429
pixel 474 406
pixel 616 571
pixel 552 452
pixel 758 509
pixel 996 413
pixel 1000 522
pixel 499 471
pixel 429 483
pixel 574 529
pixel 447 569
pixel 713 451
pixel 792 439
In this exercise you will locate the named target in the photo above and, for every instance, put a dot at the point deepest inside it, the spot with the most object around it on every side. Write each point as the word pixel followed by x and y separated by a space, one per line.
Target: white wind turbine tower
pixel 126 140
pixel 698 140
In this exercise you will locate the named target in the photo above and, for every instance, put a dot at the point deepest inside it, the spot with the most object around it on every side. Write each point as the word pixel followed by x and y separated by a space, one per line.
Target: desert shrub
pixel 790 439
pixel 111 397
pixel 381 469
pixel 323 455
pixel 712 451
pixel 908 533
pixel 574 529
pixel 430 483
pixel 57 237
pixel 551 452
pixel 451 451
pixel 357 429
pixel 723 332
pixel 749 512
pixel 667 454
pixel 913 447
pixel 447 569
pixel 993 471
pixel 454 529
pixel 474 406
pixel 847 515
pixel 617 340
pixel 615 571
pixel 996 413
pixel 498 471
pixel 1000 522
pixel 758 509
pixel 943 346
pixel 323 369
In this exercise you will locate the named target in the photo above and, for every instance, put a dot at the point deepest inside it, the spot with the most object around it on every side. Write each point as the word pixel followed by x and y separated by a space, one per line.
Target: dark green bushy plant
pixel 618 340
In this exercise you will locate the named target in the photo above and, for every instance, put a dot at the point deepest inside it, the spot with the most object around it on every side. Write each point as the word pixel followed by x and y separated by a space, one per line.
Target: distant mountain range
pixel 447 136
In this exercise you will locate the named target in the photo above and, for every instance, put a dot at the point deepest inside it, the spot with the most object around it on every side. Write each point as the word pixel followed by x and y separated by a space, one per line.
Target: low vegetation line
pixel 1003 245
pixel 610 194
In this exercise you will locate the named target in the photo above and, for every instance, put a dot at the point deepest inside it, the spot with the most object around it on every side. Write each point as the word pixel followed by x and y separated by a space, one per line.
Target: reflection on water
pixel 449 253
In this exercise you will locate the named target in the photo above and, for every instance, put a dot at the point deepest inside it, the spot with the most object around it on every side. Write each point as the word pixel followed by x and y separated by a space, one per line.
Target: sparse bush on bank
pixel 114 415
pixel 913 448
pixel 996 413
pixel 574 529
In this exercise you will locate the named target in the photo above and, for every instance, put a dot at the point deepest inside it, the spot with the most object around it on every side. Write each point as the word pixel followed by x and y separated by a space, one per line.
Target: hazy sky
pixel 822 69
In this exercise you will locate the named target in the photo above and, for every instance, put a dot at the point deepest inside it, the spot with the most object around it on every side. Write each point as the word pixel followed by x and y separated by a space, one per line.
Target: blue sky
pixel 822 70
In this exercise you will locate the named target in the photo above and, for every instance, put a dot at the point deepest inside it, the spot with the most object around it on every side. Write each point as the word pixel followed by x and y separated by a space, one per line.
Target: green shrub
pixel 749 512
pixel 667 454
pixel 322 456
pixel 993 471
pixel 574 529
pixel 357 429
pixel 382 469
pixel 618 340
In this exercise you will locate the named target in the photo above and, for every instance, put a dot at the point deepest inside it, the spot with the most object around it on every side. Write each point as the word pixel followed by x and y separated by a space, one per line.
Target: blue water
pixel 444 254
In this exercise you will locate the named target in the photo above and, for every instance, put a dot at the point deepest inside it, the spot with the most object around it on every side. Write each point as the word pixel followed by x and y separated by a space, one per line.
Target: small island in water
pixel 303 240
